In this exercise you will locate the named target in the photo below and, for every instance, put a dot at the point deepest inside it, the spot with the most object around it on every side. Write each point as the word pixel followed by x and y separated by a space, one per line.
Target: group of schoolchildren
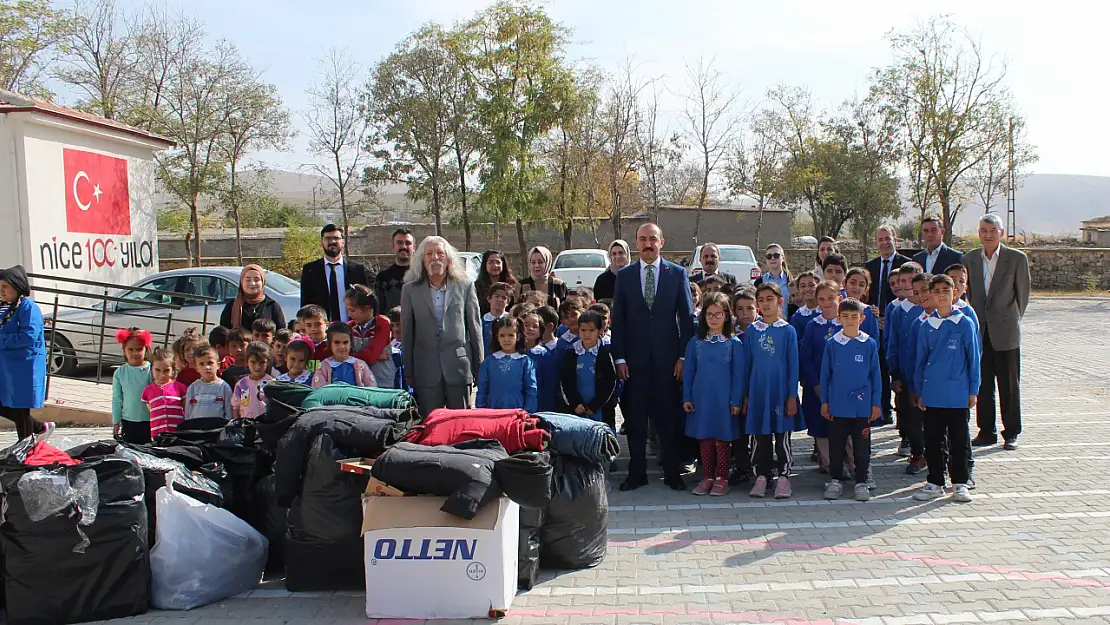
pixel 743 370
pixel 223 377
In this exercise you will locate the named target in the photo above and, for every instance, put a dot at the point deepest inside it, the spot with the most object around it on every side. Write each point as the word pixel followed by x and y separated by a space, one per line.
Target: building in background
pixel 1096 231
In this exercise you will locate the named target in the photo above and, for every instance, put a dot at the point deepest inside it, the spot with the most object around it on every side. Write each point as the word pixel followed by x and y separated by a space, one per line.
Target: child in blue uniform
pixel 568 315
pixel 807 309
pixel 395 347
pixel 900 285
pixel 810 351
pixel 851 390
pixel 498 297
pixel 835 269
pixel 946 372
pixel 907 354
pixel 856 286
pixel 958 273
pixel 896 327
pixel 507 378
pixel 772 399
pixel 745 313
pixel 587 372
pixel 539 343
pixel 713 387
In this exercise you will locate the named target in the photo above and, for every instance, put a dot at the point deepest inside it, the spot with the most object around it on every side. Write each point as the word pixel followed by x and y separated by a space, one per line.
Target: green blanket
pixel 341 394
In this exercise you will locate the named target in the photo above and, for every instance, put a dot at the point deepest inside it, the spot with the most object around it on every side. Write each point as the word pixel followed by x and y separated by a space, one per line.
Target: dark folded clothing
pixel 580 437
pixel 462 473
pixel 525 478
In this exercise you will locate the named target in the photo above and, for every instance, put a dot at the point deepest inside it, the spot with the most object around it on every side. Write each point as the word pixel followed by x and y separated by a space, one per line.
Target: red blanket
pixel 516 430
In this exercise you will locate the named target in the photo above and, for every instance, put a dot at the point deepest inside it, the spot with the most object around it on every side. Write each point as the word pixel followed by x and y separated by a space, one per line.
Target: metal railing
pixel 70 328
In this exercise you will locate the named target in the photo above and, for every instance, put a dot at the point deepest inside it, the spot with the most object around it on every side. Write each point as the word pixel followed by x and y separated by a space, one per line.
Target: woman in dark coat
pixel 540 278
pixel 619 257
pixel 22 355
pixel 251 302
pixel 494 269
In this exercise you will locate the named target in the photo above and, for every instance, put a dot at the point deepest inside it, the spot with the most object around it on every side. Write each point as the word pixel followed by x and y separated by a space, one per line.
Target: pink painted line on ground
pixel 773 545
pixel 760 617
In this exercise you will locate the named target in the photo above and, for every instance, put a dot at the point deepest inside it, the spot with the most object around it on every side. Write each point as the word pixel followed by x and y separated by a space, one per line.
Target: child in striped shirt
pixel 165 397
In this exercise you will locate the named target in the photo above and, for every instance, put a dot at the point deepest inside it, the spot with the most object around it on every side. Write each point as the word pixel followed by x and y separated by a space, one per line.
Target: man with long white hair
pixel 441 328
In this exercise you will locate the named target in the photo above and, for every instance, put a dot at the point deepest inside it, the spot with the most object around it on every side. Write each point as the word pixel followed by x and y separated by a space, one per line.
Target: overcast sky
pixel 1055 51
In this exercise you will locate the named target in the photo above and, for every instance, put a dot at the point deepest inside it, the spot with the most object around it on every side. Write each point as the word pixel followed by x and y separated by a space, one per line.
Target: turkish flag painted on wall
pixel 98 198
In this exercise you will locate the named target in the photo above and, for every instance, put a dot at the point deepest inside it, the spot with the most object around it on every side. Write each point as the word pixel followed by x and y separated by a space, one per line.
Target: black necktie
pixel 882 281
pixel 333 294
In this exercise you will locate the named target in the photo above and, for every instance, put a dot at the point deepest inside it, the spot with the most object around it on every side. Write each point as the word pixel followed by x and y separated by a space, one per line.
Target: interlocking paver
pixel 1032 547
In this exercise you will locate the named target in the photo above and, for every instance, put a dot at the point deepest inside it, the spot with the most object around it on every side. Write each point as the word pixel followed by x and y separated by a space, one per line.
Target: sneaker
pixel 961 493
pixel 703 487
pixel 782 488
pixel 720 487
pixel 48 430
pixel 759 489
pixel 833 489
pixel 863 493
pixel 970 481
pixel 904 450
pixel 929 492
pixel 870 482
pixel 916 465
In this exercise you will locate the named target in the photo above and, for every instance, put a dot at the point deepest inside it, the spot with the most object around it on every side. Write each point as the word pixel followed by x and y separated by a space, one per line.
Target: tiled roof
pixel 12 102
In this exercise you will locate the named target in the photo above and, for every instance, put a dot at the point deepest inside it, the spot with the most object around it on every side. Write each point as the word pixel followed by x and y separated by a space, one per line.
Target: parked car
pixel 77 333
pixel 738 260
pixel 804 241
pixel 580 267
pixel 473 262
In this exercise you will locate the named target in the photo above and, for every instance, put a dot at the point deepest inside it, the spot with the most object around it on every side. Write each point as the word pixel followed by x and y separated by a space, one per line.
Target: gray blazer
pixel 999 311
pixel 431 355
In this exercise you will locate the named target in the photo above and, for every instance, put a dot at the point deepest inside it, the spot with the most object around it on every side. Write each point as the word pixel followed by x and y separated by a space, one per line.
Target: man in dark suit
pixel 936 257
pixel 998 289
pixel 325 281
pixel 880 295
pixel 653 319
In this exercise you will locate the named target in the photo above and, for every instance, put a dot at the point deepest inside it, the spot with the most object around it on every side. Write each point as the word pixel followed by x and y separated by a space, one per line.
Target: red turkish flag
pixel 98 200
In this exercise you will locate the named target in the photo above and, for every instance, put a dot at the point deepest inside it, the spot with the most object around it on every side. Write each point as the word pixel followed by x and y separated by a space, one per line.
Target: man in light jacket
pixel 441 335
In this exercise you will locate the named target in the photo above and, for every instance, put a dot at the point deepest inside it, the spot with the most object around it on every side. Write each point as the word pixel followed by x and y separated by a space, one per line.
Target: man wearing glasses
pixel 325 281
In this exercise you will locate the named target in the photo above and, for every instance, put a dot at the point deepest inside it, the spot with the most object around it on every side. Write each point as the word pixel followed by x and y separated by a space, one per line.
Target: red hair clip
pixel 126 334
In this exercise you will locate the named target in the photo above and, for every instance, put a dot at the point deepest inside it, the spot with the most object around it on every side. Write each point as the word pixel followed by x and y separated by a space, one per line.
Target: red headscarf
pixel 242 298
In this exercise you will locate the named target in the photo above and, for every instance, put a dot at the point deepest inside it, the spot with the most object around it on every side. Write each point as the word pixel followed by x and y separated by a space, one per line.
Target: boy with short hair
pixel 208 397
pixel 550 323
pixel 584 295
pixel 341 366
pixel 568 314
pixel 851 388
pixel 218 338
pixel 280 344
pixel 907 347
pixel 315 320
pixel 947 373
pixel 744 311
pixel 262 330
pixel 237 341
pixel 958 273
pixel 498 297
pixel 248 400
pixel 839 266
pixel 901 281
pixel 297 355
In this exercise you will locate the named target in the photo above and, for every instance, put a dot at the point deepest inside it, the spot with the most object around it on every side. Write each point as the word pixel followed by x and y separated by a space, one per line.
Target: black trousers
pixel 651 395
pixel 884 373
pixel 25 424
pixel 1005 366
pixel 946 432
pixel 134 432
pixel 859 430
pixel 742 453
pixel 909 423
pixel 768 447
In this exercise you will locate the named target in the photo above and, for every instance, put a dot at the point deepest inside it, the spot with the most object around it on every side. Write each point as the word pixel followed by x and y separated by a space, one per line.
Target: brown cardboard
pixel 379 513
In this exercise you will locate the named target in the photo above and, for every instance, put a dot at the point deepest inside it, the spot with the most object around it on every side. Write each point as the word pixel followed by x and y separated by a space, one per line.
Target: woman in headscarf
pixel 494 268
pixel 619 257
pixel 540 279
pixel 251 302
pixel 22 355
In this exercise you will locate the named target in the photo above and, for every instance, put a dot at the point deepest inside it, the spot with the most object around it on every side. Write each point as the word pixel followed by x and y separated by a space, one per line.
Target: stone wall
pixel 1070 269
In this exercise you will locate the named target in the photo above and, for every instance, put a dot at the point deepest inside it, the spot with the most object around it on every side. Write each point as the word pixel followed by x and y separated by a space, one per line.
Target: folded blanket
pixel 516 430
pixel 580 437
pixel 340 394
pixel 462 473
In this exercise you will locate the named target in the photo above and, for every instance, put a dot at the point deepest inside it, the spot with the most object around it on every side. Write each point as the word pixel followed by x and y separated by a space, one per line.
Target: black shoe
pixel 737 478
pixel 886 420
pixel 632 483
pixel 623 431
pixel 613 467
pixel 675 482
pixel 1010 445
pixel 983 440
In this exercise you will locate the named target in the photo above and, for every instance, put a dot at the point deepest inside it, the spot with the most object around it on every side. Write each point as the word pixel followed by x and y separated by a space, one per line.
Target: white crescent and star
pixel 77 198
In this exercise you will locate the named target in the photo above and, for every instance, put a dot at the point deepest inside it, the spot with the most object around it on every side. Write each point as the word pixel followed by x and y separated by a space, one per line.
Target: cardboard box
pixel 422 563
pixel 374 486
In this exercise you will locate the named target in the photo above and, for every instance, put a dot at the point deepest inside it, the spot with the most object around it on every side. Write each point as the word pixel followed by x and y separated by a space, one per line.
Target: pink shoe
pixel 720 487
pixel 760 487
pixel 703 487
pixel 782 488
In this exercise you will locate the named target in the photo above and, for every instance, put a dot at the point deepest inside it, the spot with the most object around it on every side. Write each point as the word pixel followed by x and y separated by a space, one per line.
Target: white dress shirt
pixel 989 267
pixel 658 264
pixel 931 258
pixel 340 273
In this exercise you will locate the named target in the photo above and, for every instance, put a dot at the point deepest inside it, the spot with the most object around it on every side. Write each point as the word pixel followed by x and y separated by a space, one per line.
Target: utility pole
pixel 1011 188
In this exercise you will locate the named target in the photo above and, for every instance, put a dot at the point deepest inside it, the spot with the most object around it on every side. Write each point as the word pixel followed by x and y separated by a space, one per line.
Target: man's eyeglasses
pixel 771 255
pixel 332 239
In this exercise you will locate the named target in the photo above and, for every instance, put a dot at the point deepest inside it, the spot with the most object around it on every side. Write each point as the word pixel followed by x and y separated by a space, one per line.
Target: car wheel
pixel 63 358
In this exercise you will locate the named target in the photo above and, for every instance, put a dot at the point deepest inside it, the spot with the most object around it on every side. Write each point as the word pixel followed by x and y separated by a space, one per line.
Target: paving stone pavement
pixel 1033 546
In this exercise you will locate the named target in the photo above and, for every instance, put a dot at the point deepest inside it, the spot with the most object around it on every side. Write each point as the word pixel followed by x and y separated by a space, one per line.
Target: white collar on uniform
pixel 820 320
pixel 580 349
pixel 907 305
pixel 762 325
pixel 806 311
pixel 955 318
pixel 715 338
pixel 843 340
pixel 960 304
pixel 489 316
pixel 569 336
pixel 551 344
pixel 351 360
pixel 499 355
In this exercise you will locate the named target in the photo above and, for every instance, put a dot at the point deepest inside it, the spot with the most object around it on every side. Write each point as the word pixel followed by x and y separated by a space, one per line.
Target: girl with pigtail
pixel 130 414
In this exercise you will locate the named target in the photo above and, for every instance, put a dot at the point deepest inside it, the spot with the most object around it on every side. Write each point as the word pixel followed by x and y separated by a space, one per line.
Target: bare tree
pixel 658 149
pixel 101 57
pixel 31 32
pixel 755 170
pixel 712 122
pixel 619 115
pixel 337 129
pixel 163 42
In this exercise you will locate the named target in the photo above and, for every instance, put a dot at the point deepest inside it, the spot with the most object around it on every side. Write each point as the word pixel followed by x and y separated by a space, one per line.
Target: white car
pixel 580 267
pixel 738 260
pixel 473 262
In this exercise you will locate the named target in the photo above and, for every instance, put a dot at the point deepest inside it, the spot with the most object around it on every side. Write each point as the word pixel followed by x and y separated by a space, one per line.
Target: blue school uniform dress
pixel 818 331
pixel 851 383
pixel 714 379
pixel 870 324
pixel 507 381
pixel 801 317
pixel 546 366
pixel 343 372
pixel 772 378
pixel 586 375
pixel 784 283
pixel 487 329
pixel 947 365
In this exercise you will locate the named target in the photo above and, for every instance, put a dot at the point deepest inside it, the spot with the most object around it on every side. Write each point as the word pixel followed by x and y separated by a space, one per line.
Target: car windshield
pixel 730 254
pixel 282 284
pixel 580 261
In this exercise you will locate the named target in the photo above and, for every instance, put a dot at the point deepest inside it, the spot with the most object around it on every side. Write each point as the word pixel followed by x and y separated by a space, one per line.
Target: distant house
pixel 1096 231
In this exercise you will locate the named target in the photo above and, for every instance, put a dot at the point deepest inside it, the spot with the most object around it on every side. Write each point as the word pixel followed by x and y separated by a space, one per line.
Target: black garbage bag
pixel 525 477
pixel 528 547
pixel 46 582
pixel 323 547
pixel 274 519
pixel 574 530
pixel 155 473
